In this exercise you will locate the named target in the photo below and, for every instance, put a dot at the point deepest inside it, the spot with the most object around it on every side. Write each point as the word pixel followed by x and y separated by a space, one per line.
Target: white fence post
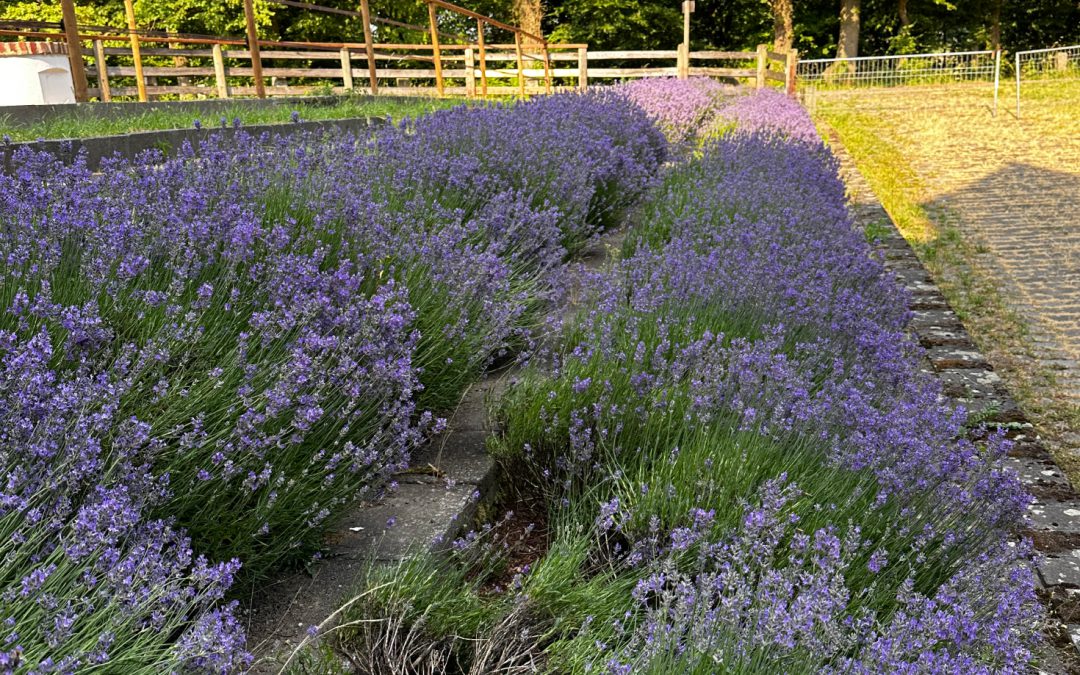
pixel 900 69
pixel 997 78
pixel 1018 85
pixel 1052 64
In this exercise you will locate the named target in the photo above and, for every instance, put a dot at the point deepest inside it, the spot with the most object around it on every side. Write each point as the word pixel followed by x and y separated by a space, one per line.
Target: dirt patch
pixel 524 534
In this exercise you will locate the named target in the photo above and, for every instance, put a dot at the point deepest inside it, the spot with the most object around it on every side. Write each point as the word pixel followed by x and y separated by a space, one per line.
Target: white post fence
pixel 1050 65
pixel 901 69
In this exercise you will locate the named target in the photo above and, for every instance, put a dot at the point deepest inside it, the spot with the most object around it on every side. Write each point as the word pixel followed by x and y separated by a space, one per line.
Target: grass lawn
pixel 956 180
pixel 78 124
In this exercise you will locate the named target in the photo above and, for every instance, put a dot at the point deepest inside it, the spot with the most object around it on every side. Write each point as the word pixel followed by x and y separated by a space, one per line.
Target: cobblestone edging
pixel 968 379
pixel 168 141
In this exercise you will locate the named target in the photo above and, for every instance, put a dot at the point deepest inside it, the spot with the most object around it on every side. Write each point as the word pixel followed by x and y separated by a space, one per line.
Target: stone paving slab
pixel 946 358
pixel 934 336
pixel 1039 473
pixel 935 318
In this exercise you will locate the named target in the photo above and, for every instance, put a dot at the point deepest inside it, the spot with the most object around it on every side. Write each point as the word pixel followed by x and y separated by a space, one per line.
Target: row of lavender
pixel 203 360
pixel 737 439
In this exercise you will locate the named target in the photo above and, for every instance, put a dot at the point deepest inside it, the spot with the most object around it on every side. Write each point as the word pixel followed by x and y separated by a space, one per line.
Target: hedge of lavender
pixel 738 442
pixel 208 358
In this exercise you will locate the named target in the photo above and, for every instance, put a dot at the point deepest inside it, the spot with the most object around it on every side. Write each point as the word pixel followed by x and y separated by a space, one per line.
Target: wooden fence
pixel 137 63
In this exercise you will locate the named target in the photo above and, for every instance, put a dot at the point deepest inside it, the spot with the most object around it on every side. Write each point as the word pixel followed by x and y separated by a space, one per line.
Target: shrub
pixel 210 357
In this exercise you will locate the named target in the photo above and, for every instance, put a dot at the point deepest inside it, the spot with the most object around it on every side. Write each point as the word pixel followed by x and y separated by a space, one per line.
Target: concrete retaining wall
pixel 168 141
pixel 25 115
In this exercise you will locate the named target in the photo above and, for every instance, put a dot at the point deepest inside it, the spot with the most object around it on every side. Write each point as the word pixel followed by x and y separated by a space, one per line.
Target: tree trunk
pixel 995 26
pixel 848 45
pixel 528 15
pixel 902 11
pixel 782 24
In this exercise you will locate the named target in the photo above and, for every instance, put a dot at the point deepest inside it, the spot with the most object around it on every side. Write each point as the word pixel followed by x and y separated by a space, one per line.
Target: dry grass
pixel 990 203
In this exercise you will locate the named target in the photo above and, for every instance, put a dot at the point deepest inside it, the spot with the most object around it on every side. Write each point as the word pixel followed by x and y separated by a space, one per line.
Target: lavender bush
pixel 680 108
pixel 737 426
pixel 207 358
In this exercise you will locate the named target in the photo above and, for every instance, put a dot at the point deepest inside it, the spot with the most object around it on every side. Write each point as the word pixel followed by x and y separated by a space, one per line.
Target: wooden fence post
pixel 547 67
pixel 136 52
pixel 253 49
pixel 102 71
pixel 583 68
pixel 75 57
pixel 470 73
pixel 219 71
pixel 520 65
pixel 683 68
pixel 790 72
pixel 436 52
pixel 762 64
pixel 483 56
pixel 346 68
pixel 369 47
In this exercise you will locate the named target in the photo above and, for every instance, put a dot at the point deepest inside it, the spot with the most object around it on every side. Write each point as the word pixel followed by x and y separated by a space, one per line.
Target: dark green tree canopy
pixel 886 26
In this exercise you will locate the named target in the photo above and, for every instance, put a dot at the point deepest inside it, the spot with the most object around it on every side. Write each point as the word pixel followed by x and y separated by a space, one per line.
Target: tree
pixel 617 24
pixel 783 30
pixel 528 15
pixel 848 44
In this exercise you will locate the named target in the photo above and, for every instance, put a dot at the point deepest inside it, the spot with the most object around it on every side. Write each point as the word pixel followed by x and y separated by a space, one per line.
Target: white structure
pixel 35 73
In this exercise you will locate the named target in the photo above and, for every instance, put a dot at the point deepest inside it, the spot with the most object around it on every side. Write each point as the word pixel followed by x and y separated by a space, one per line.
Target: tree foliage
pixel 886 26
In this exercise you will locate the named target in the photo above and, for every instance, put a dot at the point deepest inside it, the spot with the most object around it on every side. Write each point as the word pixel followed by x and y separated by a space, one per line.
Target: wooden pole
pixel 102 72
pixel 470 74
pixel 790 71
pixel 136 53
pixel 253 49
pixel 74 46
pixel 369 47
pixel 346 68
pixel 583 68
pixel 762 64
pixel 547 67
pixel 219 72
pixel 684 49
pixel 520 66
pixel 687 7
pixel 436 52
pixel 483 56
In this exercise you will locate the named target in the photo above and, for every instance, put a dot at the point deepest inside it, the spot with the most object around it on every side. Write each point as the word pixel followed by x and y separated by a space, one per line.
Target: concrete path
pixel 434 502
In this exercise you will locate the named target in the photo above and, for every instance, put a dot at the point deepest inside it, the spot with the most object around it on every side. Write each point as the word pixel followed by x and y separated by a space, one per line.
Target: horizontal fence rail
pixel 1054 63
pixel 906 69
pixel 125 63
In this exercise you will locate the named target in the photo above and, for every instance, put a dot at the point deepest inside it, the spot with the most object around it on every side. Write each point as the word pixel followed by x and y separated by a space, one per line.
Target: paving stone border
pixel 169 141
pixel 968 379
